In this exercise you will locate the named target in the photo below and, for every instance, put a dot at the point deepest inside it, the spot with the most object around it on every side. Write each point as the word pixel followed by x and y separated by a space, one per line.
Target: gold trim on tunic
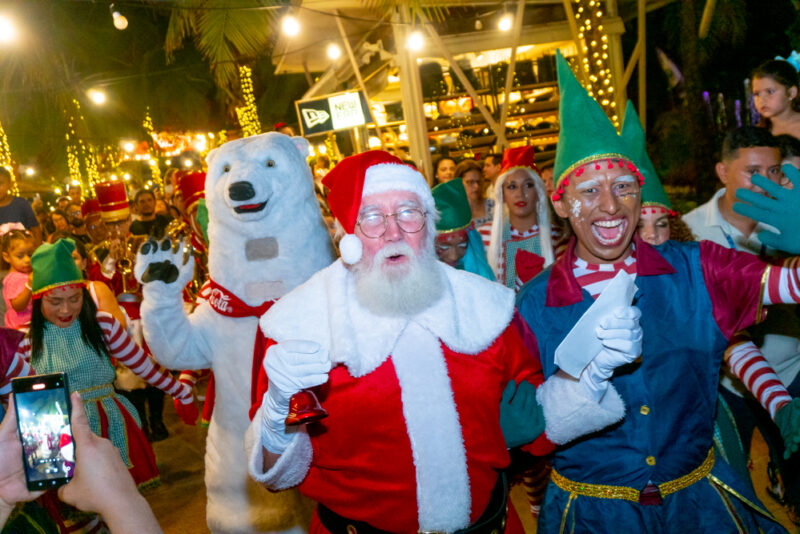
pixel 603 491
pixel 759 309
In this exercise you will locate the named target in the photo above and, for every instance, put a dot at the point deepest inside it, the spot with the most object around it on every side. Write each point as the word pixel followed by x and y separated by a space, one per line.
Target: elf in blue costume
pixel 653 470
pixel 458 243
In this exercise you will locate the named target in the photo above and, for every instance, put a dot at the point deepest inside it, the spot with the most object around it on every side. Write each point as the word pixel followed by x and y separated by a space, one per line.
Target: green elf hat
pixel 54 267
pixel 586 134
pixel 453 206
pixel 653 195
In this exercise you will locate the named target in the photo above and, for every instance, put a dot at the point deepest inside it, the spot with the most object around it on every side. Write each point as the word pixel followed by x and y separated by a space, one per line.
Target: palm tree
pixel 226 34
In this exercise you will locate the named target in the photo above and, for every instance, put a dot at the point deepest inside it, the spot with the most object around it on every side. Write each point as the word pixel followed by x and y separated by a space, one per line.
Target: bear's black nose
pixel 241 191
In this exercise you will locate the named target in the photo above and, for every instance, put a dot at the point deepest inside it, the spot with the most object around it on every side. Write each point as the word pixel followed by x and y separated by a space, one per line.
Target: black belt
pixel 492 520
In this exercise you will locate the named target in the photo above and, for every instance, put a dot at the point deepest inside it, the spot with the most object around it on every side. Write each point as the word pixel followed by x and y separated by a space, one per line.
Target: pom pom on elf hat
pixel 361 175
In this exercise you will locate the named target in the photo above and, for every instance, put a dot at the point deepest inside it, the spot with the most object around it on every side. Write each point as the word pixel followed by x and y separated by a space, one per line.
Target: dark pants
pixel 149 397
pixel 749 415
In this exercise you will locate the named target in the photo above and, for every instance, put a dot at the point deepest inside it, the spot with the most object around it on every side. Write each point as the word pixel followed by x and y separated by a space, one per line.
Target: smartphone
pixel 43 419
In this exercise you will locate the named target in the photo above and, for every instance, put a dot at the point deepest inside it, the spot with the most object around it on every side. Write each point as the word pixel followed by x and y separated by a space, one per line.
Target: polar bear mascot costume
pixel 266 236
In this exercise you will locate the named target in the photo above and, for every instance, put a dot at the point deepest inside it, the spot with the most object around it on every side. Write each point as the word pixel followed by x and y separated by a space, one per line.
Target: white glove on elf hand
pixel 291 366
pixel 621 337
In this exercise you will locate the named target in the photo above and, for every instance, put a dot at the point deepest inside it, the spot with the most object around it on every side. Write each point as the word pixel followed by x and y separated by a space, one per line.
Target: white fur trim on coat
pixel 570 412
pixel 469 316
pixel 292 465
pixel 395 177
pixel 437 444
pixel 494 254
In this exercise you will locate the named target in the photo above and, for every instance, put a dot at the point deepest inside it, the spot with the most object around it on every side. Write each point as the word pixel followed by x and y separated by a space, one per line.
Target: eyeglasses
pixel 410 221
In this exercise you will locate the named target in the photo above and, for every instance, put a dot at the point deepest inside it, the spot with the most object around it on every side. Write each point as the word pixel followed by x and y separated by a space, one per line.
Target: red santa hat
pixel 522 156
pixel 366 174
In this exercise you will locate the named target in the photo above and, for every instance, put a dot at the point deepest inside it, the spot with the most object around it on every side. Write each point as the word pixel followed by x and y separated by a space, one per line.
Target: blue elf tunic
pixel 693 297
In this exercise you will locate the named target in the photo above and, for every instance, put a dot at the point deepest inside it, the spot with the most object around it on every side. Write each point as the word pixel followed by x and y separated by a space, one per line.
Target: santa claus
pixel 413 357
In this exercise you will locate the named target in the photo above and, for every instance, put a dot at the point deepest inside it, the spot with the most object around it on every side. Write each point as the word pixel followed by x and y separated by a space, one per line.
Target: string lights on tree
pixel 81 158
pixel 594 41
pixel 5 160
pixel 147 124
pixel 248 113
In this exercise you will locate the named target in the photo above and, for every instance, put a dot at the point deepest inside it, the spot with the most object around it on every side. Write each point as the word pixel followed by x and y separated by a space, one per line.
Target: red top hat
pixel 90 206
pixel 113 200
pixel 518 157
pixel 192 187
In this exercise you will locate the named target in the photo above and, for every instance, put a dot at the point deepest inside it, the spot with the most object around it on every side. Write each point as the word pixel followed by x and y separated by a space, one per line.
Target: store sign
pixel 339 111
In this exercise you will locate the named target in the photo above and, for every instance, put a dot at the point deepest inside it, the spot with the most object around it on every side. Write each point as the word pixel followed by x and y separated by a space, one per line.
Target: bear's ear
pixel 302 145
pixel 210 156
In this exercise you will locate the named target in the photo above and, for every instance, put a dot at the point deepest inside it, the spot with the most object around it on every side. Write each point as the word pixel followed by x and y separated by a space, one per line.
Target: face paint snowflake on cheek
pixel 576 207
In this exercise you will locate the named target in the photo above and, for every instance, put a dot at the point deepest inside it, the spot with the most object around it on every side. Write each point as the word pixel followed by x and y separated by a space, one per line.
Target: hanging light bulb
pixel 290 26
pixel 415 40
pixel 120 21
pixel 8 31
pixel 334 52
pixel 97 96
pixel 506 21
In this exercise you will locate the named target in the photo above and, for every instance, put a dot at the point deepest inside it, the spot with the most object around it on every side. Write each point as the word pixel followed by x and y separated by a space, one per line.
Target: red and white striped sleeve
pixel 18 367
pixel 783 283
pixel 749 365
pixel 191 376
pixel 128 353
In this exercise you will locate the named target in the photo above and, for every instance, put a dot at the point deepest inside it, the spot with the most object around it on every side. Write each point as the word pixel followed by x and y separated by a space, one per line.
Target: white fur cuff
pixel 570 412
pixel 291 467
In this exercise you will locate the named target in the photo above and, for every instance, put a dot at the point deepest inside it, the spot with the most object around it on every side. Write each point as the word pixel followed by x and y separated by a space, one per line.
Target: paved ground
pixel 180 502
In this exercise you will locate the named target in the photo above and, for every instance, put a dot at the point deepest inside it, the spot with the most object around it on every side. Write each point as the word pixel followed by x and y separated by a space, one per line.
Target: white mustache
pixel 394 249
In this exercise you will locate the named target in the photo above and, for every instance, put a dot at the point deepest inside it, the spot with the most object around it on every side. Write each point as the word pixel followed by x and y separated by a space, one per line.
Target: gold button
pixel 644 410
pixel 651 460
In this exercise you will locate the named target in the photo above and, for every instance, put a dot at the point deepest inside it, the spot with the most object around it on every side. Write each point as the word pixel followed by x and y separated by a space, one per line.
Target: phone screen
pixel 48 451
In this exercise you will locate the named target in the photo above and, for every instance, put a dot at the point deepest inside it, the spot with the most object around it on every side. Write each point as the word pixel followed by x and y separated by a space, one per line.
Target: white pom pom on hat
pixel 350 248
pixel 365 174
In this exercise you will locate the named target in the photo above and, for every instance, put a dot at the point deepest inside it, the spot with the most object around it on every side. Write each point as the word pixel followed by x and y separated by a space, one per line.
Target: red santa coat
pixel 412 440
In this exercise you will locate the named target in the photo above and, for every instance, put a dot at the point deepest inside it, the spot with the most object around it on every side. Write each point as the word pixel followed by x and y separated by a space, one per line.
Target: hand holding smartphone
pixel 42 407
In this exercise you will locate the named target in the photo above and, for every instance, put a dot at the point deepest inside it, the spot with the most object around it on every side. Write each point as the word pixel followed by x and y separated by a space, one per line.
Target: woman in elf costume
pixel 69 335
pixel 521 219
pixel 458 243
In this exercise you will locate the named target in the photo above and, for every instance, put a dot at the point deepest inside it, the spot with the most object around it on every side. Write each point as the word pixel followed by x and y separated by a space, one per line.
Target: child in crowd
pixel 18 246
pixel 775 89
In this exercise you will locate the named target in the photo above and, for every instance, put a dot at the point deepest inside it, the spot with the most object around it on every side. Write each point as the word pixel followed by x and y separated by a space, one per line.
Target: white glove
pixel 621 337
pixel 291 366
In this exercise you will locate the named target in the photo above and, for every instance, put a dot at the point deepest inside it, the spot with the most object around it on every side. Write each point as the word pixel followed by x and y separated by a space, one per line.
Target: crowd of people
pixel 554 324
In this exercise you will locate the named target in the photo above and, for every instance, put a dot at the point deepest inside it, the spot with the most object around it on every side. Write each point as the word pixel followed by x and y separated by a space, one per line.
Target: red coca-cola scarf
pixel 226 303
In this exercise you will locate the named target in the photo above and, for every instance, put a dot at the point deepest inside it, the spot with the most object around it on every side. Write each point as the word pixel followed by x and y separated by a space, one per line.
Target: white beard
pixel 399 291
